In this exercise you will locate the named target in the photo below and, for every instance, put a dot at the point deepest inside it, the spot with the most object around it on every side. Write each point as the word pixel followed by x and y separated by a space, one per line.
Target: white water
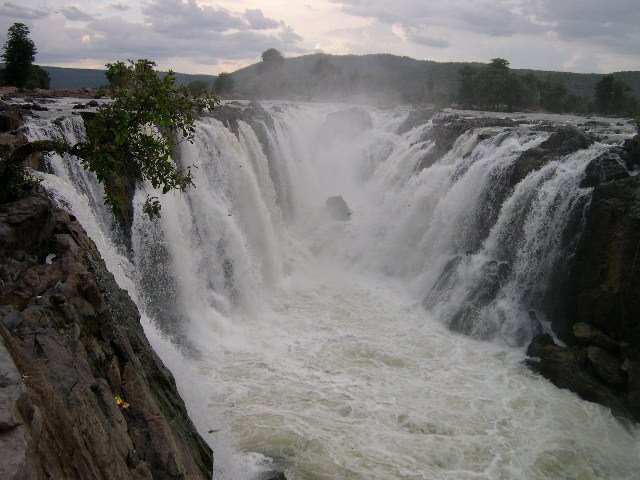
pixel 304 339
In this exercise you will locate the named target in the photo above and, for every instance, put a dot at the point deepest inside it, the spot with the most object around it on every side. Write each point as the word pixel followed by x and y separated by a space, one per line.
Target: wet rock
pixel 585 334
pixel 494 274
pixel 417 117
pixel 75 338
pixel 563 141
pixel 447 128
pixel 604 282
pixel 25 223
pixel 606 168
pixel 272 475
pixel 9 120
pixel 34 107
pixel 79 106
pixel 93 103
pixel 606 366
pixel 567 367
pixel 338 208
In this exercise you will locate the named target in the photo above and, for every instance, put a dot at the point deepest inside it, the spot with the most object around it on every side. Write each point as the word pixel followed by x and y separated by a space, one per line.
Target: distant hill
pixel 88 78
pixel 386 77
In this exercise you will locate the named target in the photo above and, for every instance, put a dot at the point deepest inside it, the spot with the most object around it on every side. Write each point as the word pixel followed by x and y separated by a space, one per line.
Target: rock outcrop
pixel 82 394
pixel 594 306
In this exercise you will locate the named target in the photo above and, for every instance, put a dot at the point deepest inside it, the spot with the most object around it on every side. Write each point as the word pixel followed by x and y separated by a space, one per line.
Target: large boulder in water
pixel 338 208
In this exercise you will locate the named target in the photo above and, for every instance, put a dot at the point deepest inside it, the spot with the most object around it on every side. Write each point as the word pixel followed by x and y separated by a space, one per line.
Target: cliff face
pixel 71 345
pixel 596 304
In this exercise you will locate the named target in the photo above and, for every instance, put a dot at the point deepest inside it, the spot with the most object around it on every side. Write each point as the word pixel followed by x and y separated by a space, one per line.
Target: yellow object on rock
pixel 121 402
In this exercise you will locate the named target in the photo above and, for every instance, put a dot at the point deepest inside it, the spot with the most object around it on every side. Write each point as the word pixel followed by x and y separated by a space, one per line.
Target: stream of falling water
pixel 301 344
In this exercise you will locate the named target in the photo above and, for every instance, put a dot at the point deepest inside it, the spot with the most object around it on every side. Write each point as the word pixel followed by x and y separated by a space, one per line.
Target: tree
pixel 467 86
pixel 38 78
pixel 613 96
pixel 135 136
pixel 224 83
pixel 198 88
pixel 272 56
pixel 552 96
pixel 496 80
pixel 19 54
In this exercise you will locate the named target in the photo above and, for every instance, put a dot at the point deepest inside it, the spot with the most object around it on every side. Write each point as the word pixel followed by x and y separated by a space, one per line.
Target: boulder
pixel 605 168
pixel 585 334
pixel 606 366
pixel 338 208
pixel 567 367
pixel 9 120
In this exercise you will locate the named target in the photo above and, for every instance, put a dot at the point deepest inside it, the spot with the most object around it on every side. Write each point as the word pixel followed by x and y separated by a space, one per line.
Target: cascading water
pixel 321 344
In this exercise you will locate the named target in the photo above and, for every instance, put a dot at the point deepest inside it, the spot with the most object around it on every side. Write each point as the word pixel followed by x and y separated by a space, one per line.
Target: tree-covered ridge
pixel 496 87
pixel 388 78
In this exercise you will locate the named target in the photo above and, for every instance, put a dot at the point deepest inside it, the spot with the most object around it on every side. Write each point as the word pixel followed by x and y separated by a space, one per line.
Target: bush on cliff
pixel 135 136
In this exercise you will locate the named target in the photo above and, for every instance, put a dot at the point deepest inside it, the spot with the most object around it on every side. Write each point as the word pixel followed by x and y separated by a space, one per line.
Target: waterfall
pixel 260 299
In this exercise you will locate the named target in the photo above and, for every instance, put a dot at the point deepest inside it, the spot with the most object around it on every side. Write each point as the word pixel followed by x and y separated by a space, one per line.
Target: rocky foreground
pixel 82 394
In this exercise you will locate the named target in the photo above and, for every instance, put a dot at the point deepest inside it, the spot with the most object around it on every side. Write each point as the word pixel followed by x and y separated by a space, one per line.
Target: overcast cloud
pixel 209 36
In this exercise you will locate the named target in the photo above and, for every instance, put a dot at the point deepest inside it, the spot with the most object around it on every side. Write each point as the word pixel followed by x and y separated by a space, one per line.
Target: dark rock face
pixel 71 342
pixel 605 168
pixel 595 305
pixel 447 128
pixel 572 368
pixel 563 141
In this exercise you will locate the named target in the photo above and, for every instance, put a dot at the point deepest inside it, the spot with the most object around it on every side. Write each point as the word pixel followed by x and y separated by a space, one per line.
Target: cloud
pixel 17 12
pixel 73 13
pixel 614 24
pixel 198 35
pixel 119 6
pixel 258 21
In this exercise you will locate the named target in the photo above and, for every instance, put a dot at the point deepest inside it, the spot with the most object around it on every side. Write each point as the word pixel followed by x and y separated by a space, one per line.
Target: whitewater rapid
pixel 303 344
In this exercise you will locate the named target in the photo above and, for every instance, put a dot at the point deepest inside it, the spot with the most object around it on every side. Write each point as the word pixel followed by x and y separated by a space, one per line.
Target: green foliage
pixel 552 95
pixel 198 88
pixel 224 83
pixel 19 54
pixel 135 136
pixel 38 78
pixel 16 182
pixel 613 97
pixel 272 56
pixel 496 87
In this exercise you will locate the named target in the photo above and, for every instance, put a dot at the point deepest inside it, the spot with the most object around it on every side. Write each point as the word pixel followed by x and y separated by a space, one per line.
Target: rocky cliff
pixel 82 394
pixel 595 305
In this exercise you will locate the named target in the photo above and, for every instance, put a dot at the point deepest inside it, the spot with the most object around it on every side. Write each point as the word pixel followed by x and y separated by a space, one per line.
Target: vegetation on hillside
pixel 393 79
pixel 496 87
pixel 224 83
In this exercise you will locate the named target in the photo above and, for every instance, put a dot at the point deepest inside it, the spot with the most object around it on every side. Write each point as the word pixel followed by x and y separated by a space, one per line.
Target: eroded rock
pixel 76 340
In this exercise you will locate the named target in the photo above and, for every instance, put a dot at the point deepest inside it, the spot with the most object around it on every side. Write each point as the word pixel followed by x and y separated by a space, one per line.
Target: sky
pixel 211 36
